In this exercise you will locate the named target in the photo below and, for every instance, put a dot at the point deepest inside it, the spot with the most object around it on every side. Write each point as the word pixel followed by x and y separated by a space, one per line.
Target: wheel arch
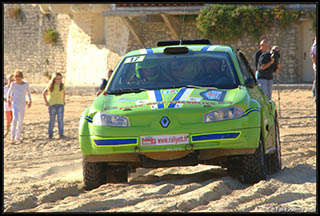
pixel 273 108
pixel 84 123
pixel 255 111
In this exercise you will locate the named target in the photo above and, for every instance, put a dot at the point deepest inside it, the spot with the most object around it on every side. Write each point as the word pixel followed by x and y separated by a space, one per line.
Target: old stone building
pixel 93 38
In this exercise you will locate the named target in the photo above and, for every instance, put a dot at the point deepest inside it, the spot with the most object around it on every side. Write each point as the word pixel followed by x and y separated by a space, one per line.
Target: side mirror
pixel 250 83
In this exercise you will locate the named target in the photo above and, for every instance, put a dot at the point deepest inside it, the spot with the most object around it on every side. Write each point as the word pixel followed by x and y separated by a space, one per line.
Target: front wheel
pixel 117 174
pixel 253 166
pixel 93 174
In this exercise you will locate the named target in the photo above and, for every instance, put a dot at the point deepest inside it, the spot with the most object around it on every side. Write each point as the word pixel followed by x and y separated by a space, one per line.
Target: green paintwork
pixel 189 119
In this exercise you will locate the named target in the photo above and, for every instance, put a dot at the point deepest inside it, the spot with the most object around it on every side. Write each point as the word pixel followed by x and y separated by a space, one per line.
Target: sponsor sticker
pixel 155 99
pixel 130 107
pixel 164 140
pixel 126 100
pixel 214 95
pixel 194 99
pixel 110 108
pixel 172 91
pixel 182 95
pixel 134 59
pixel 141 102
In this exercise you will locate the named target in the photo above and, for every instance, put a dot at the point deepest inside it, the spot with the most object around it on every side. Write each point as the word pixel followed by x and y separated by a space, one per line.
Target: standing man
pixel 263 48
pixel 269 64
pixel 104 83
pixel 313 55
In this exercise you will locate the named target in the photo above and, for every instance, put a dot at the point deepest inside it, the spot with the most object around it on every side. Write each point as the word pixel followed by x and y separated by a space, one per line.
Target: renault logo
pixel 165 122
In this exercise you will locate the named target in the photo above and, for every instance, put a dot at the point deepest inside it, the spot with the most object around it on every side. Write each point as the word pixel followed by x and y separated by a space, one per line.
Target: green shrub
pixel 229 22
pixel 50 36
pixel 285 17
pixel 14 12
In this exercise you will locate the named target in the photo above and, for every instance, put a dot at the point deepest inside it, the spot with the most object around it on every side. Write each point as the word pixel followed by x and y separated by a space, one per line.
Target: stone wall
pixel 286 39
pixel 24 48
pixel 153 30
pixel 116 39
pixel 75 55
pixel 84 57
pixel 86 61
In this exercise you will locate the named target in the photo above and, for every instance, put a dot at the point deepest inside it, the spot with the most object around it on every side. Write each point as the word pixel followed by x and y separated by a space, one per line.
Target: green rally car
pixel 181 103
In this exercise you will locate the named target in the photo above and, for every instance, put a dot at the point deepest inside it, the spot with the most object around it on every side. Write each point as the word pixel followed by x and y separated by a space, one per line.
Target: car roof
pixel 198 48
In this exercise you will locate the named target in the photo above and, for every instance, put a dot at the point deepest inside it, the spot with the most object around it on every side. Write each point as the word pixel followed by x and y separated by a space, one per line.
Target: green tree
pixel 229 22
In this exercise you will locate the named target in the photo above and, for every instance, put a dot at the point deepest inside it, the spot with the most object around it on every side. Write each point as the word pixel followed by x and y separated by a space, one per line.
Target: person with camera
pixel 263 48
pixel 269 64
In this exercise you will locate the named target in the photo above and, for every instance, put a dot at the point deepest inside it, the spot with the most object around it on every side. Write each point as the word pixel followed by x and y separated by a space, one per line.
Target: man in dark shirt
pixel 268 65
pixel 263 48
pixel 104 83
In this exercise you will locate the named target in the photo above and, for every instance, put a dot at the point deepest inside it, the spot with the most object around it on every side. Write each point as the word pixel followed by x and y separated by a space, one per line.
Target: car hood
pixel 178 100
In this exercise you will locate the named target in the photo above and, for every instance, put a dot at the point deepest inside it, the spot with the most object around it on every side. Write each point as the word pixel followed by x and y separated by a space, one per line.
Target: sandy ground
pixel 42 175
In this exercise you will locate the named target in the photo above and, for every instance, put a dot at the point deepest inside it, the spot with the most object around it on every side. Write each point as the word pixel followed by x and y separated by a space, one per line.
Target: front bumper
pixel 238 139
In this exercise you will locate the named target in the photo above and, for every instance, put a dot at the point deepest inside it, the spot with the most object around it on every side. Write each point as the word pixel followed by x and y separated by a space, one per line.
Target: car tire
pixel 117 174
pixel 233 166
pixel 274 159
pixel 93 174
pixel 253 166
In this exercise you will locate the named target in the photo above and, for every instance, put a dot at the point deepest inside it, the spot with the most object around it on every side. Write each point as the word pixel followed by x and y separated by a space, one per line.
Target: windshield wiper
pixel 126 91
pixel 195 86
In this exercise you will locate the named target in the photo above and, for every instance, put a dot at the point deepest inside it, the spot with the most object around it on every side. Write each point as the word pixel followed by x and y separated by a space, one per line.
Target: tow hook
pixel 137 149
pixel 189 147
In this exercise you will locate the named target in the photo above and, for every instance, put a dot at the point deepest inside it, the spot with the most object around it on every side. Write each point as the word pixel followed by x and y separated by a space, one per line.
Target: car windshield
pixel 161 71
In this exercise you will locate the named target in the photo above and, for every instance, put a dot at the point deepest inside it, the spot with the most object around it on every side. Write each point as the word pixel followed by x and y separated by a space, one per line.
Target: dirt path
pixel 42 175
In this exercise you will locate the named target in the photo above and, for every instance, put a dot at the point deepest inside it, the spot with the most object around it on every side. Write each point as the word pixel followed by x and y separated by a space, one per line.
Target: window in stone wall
pixel 98 29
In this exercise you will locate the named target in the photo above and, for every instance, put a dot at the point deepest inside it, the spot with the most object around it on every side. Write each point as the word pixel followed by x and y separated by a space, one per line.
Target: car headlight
pixel 111 120
pixel 223 114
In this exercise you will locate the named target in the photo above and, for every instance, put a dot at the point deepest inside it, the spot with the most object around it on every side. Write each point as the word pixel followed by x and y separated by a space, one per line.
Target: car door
pixel 257 94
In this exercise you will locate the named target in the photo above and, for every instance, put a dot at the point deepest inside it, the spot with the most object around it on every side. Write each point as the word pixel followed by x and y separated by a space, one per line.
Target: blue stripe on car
pixel 89 120
pixel 177 97
pixel 205 48
pixel 215 136
pixel 158 95
pixel 250 110
pixel 116 141
pixel 149 51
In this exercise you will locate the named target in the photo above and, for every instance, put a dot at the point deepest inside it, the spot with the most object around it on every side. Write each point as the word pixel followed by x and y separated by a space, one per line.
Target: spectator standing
pixel 104 83
pixel 263 48
pixel 17 93
pixel 313 55
pixel 55 103
pixel 269 64
pixel 6 108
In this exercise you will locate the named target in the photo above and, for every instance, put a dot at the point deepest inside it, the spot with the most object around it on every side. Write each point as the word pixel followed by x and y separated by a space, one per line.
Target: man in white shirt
pixel 313 55
pixel 17 93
